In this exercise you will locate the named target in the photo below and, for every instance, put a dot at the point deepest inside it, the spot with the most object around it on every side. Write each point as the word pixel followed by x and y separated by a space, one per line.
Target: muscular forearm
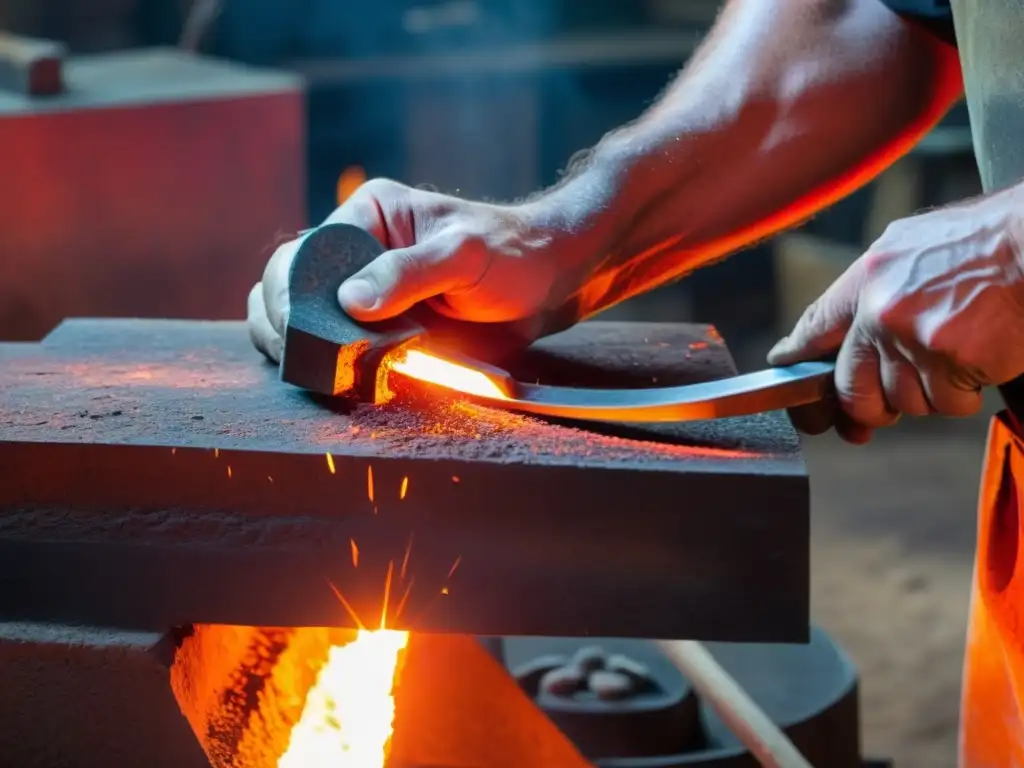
pixel 788 106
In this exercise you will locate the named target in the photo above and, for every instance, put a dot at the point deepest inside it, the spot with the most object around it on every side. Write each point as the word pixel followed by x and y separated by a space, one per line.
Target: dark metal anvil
pixel 156 473
pixel 158 483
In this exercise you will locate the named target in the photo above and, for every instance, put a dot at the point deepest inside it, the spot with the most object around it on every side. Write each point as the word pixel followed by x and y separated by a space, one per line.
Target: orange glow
pixel 349 713
pixel 330 463
pixel 404 489
pixel 423 366
pixel 349 181
pixel 355 553
pixel 369 483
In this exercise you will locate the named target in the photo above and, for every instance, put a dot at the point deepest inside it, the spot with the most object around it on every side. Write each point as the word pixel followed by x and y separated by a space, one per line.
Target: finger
pixel 363 209
pixel 859 381
pixel 823 326
pixel 275 285
pixel 262 333
pixel 901 382
pixel 815 418
pixel 398 279
pixel 852 432
pixel 948 394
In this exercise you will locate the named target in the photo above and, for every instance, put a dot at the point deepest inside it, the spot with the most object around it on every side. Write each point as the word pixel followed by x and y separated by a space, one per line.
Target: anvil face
pixel 156 473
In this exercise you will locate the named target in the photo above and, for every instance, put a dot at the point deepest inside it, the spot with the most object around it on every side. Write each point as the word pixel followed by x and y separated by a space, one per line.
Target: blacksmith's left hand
pixel 927 317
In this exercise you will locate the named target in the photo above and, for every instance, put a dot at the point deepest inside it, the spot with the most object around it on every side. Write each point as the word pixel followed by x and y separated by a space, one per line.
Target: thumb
pixel 821 329
pixel 400 278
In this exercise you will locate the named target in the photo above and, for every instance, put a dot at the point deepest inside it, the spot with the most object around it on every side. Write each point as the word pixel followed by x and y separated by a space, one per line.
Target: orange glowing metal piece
pixel 423 366
pixel 348 717
pixel 330 463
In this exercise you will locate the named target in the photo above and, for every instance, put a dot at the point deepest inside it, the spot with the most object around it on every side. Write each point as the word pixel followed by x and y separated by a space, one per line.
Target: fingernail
pixel 358 294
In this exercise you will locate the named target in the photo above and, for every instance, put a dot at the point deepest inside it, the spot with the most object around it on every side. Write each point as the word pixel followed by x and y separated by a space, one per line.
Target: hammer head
pixel 325 350
pixel 330 353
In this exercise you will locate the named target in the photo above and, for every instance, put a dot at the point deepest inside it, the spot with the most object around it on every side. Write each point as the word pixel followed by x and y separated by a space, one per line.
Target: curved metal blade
pixel 767 390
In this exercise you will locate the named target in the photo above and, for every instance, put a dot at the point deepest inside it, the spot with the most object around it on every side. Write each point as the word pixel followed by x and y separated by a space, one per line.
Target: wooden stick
pixel 745 719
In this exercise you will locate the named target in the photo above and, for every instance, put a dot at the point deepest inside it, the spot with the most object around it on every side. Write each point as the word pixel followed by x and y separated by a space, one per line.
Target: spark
pixel 455 565
pixel 387 594
pixel 270 478
pixel 404 600
pixel 405 559
pixel 369 483
pixel 216 453
pixel 455 479
pixel 404 489
pixel 330 463
pixel 173 451
pixel 229 471
pixel 355 553
pixel 444 590
pixel 345 604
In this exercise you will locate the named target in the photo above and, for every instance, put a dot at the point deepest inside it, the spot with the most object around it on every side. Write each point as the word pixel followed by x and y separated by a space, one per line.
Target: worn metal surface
pixel 87 696
pixel 154 473
pixel 157 185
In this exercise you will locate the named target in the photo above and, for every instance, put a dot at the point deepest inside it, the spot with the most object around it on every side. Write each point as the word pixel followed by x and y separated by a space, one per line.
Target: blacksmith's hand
pixel 927 317
pixel 471 261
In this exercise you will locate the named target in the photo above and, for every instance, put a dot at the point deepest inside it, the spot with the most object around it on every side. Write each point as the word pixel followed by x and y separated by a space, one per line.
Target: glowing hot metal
pixel 767 390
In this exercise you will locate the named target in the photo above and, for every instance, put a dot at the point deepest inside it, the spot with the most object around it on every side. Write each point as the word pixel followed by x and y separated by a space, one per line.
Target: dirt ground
pixel 893 533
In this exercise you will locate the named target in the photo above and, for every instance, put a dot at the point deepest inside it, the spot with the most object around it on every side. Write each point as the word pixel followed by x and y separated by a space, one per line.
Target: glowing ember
pixel 349 713
pixel 330 463
pixel 425 367
pixel 404 489
pixel 369 483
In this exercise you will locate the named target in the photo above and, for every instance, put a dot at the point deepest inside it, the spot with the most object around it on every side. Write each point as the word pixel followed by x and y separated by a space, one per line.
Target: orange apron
pixel 990 42
pixel 992 726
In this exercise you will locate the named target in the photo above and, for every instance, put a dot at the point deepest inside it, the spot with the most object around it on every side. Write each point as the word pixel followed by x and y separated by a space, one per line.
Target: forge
pixel 201 565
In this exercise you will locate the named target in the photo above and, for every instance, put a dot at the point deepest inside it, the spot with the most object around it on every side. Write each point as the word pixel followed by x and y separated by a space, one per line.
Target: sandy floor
pixel 893 529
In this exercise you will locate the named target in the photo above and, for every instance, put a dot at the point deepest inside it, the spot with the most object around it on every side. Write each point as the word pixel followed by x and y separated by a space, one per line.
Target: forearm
pixel 788 106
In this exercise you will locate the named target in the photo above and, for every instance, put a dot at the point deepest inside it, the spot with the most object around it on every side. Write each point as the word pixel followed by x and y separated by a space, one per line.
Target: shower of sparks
pixel 404 489
pixel 355 553
pixel 369 483
pixel 455 565
pixel 330 463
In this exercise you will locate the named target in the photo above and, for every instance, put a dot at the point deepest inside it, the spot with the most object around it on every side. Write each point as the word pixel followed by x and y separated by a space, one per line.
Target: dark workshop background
pixel 490 98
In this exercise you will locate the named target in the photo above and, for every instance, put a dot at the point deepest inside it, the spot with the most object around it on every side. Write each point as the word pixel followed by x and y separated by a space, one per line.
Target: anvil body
pixel 156 473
